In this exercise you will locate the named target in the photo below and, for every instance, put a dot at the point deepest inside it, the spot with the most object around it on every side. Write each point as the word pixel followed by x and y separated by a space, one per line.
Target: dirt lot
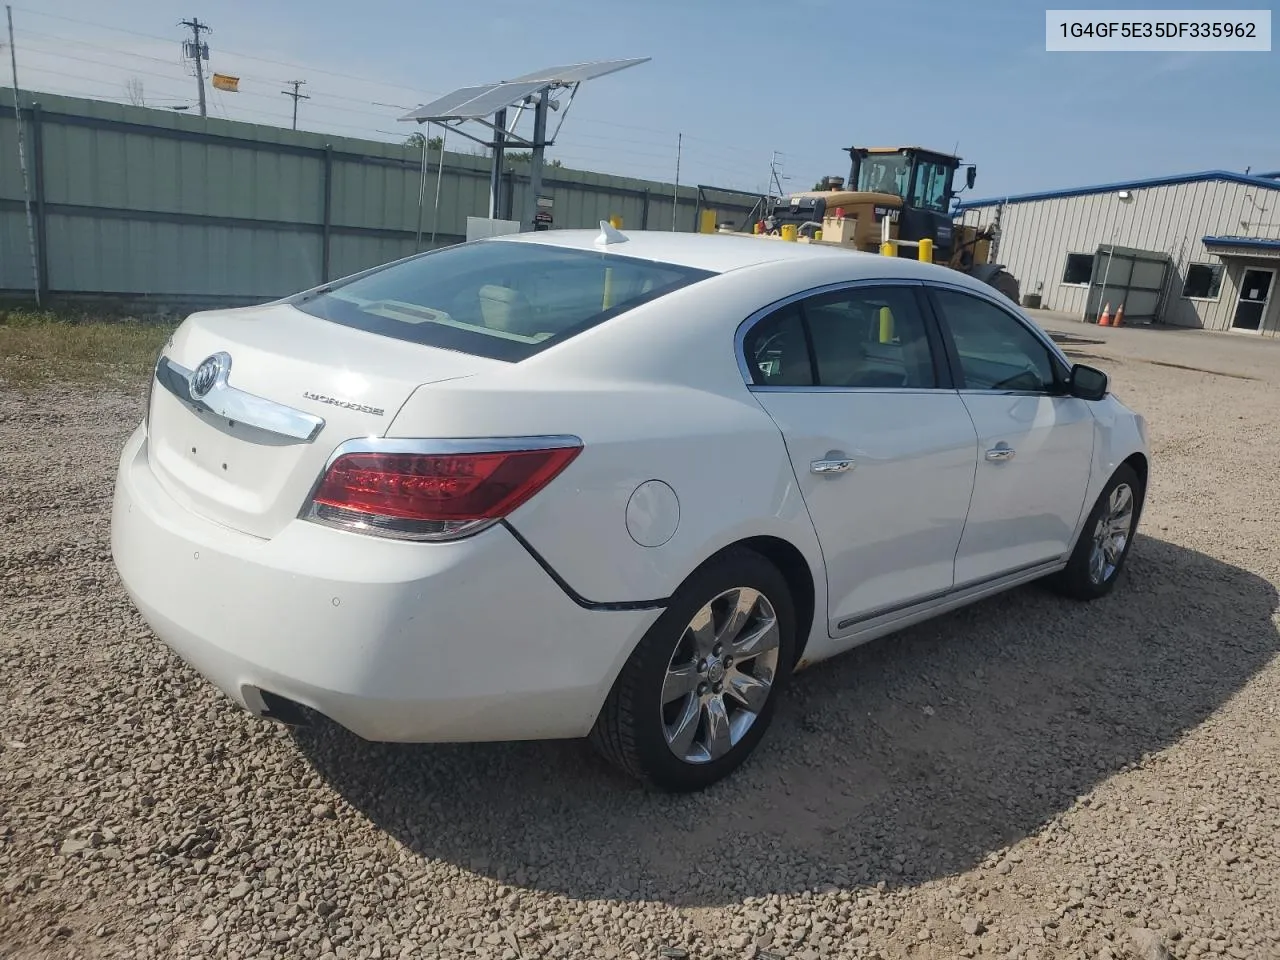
pixel 1026 778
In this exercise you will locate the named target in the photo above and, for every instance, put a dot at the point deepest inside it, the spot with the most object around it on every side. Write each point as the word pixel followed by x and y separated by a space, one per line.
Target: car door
pixel 882 446
pixel 1035 441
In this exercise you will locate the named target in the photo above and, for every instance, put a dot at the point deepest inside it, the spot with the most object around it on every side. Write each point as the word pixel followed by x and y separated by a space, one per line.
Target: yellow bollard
pixel 886 325
pixel 788 231
pixel 615 221
pixel 888 249
pixel 817 235
pixel 926 250
pixel 707 221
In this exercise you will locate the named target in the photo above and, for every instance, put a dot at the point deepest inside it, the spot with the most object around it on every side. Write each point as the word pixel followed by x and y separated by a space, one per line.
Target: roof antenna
pixel 609 234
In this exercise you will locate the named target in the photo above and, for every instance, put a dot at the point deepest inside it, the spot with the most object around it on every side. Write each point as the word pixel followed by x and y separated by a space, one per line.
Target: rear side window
pixel 777 350
pixel 868 338
pixel 498 299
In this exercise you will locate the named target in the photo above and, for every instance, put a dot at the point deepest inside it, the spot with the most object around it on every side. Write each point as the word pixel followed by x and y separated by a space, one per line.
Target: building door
pixel 1255 290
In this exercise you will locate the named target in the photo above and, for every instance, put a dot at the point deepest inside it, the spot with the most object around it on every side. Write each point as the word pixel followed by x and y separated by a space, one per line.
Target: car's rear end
pixel 275 531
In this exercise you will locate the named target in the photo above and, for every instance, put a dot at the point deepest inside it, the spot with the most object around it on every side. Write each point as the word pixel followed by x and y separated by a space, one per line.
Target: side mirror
pixel 970 175
pixel 1087 383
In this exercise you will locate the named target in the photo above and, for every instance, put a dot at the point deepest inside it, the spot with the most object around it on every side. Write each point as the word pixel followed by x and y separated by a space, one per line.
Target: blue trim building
pixel 1265 180
pixel 1197 250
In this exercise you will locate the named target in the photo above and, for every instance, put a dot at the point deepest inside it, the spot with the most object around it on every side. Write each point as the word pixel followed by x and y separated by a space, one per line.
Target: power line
pixel 61 40
pixel 296 97
pixel 719 156
pixel 53 52
pixel 248 56
pixel 199 53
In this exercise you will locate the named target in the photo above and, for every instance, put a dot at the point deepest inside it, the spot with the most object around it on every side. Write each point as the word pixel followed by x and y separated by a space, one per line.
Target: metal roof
pixel 938 153
pixel 1206 175
pixel 1255 243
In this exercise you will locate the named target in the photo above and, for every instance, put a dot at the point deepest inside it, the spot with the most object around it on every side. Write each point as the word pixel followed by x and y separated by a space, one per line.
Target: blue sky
pixel 739 79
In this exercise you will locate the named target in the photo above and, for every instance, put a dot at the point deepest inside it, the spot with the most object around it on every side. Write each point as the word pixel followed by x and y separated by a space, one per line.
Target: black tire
pixel 629 731
pixel 1075 580
pixel 1007 284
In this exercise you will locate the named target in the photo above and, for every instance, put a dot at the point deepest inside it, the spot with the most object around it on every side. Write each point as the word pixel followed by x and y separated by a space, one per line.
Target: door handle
pixel 1001 451
pixel 830 466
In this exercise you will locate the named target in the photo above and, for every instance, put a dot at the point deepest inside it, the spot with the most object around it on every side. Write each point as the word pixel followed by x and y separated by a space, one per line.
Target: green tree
pixel 525 156
pixel 415 140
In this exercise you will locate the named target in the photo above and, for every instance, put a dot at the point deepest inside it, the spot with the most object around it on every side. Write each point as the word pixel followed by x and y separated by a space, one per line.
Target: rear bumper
pixel 464 641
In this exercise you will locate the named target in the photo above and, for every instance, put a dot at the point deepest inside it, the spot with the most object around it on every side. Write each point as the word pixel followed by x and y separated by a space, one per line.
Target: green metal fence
pixel 137 204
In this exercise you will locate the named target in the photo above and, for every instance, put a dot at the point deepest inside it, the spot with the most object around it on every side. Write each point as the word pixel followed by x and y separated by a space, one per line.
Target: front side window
pixel 499 299
pixel 885 173
pixel 996 351
pixel 865 338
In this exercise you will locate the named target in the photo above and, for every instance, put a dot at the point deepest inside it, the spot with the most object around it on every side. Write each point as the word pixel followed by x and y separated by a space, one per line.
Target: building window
pixel 1079 269
pixel 1204 281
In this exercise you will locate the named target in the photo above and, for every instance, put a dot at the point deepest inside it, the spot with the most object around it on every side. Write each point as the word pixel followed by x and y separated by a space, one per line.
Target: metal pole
pixel 675 193
pixel 535 161
pixel 326 237
pixel 435 213
pixel 22 163
pixel 1111 249
pixel 495 174
pixel 422 190
pixel 37 189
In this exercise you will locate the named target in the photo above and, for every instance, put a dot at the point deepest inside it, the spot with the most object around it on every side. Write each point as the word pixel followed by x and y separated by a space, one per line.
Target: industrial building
pixel 1198 250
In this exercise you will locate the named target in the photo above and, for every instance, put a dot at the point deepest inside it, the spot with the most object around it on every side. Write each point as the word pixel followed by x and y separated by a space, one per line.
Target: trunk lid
pixel 247 462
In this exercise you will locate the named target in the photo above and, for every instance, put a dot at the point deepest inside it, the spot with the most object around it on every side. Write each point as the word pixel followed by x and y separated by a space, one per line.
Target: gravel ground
pixel 1025 778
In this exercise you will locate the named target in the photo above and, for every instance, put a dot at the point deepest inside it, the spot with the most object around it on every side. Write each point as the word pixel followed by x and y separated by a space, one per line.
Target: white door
pixel 885 458
pixel 1035 443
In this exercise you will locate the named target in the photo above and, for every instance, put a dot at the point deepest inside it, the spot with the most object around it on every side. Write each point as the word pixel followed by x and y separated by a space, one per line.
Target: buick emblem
pixel 206 376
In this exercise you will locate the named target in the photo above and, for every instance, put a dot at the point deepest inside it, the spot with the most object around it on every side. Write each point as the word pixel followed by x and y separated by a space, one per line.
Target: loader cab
pixel 924 180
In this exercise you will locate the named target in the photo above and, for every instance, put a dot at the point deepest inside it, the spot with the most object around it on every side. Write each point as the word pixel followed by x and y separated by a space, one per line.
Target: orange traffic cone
pixel 1119 317
pixel 1105 319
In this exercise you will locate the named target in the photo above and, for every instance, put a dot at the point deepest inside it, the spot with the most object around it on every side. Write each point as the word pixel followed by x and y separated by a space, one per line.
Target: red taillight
pixel 432 496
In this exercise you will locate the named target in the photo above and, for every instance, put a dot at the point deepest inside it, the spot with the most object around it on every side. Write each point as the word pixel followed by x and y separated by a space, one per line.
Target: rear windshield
pixel 496 299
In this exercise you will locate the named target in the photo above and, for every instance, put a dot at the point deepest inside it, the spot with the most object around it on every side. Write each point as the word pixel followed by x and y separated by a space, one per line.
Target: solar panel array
pixel 477 103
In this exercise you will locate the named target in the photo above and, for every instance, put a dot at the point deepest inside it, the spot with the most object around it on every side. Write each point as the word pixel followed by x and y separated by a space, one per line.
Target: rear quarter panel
pixel 654 394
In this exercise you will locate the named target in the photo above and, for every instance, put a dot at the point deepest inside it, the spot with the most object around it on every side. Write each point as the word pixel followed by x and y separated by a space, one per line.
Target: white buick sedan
pixel 582 483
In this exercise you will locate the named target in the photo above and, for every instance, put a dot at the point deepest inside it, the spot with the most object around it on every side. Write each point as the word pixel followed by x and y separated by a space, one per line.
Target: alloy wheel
pixel 720 675
pixel 1111 534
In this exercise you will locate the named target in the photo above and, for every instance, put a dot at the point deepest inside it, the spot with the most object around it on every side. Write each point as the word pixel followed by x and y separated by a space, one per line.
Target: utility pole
pixel 198 52
pixel 296 97
pixel 22 162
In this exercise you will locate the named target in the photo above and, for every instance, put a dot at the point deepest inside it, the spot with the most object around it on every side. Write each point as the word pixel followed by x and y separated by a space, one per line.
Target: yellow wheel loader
pixel 909 187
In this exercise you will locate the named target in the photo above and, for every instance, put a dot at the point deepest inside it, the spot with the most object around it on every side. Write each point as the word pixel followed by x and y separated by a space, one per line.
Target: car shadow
pixel 905 760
